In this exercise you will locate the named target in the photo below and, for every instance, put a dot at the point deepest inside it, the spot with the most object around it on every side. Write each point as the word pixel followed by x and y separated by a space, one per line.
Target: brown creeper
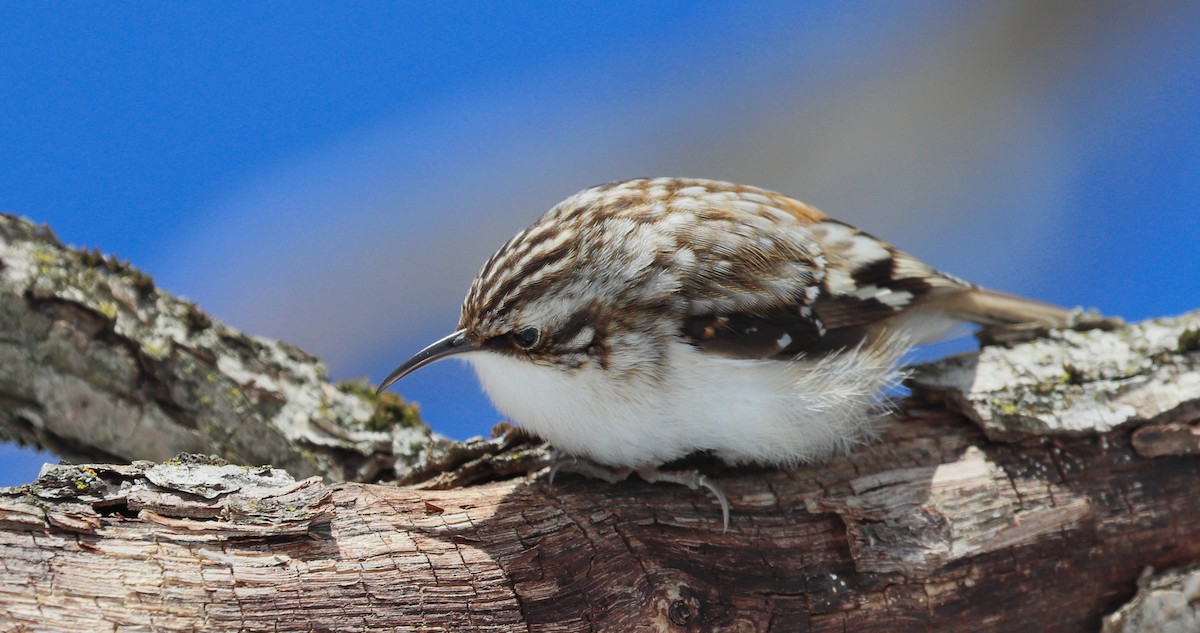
pixel 640 321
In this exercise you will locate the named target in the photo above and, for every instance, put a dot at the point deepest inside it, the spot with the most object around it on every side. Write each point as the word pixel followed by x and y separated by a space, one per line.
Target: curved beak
pixel 456 343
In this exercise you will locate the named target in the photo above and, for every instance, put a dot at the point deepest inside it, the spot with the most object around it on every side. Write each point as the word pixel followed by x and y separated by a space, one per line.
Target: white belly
pixel 766 411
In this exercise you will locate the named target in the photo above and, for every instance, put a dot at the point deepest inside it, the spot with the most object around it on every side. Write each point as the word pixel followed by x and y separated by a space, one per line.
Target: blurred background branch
pixel 100 364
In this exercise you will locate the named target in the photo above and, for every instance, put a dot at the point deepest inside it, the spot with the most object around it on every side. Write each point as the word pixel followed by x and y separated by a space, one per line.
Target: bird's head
pixel 562 292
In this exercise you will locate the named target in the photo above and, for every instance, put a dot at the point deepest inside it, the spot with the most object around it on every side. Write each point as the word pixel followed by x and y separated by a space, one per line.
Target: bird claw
pixel 721 499
pixel 557 466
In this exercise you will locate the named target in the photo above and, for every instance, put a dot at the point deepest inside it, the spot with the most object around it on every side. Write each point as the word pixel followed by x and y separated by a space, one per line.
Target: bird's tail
pixel 991 308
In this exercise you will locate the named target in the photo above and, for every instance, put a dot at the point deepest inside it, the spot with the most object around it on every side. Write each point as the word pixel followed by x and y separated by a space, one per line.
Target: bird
pixel 641 321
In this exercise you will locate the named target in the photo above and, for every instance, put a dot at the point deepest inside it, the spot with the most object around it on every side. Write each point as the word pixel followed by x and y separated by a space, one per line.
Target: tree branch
pixel 1021 487
pixel 100 364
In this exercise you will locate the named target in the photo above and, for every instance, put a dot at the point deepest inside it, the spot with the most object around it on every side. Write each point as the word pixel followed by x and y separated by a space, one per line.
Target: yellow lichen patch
pixel 43 256
pixel 1007 408
pixel 154 350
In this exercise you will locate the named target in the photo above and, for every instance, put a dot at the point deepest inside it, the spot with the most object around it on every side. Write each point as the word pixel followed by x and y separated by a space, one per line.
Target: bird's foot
pixel 690 478
pixel 587 468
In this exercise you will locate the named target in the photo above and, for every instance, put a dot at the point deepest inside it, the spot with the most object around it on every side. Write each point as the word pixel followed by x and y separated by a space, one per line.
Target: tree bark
pixel 98 364
pixel 1025 486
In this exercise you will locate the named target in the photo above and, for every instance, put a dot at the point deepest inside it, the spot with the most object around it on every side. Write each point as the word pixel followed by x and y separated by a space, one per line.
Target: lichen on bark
pixel 97 363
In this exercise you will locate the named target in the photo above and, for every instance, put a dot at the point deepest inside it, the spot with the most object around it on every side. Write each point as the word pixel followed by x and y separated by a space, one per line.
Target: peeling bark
pixel 1024 487
pixel 1075 382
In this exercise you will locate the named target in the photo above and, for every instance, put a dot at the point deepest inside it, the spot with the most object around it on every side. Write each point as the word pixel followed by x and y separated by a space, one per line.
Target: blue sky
pixel 334 174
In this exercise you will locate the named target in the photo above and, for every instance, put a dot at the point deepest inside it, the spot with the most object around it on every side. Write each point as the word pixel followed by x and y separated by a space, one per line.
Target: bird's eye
pixel 526 338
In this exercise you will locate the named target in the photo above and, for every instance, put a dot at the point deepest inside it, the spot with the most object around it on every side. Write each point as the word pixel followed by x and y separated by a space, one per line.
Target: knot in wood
pixel 680 613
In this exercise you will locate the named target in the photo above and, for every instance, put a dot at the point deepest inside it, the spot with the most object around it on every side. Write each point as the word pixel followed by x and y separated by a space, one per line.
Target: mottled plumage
pixel 639 321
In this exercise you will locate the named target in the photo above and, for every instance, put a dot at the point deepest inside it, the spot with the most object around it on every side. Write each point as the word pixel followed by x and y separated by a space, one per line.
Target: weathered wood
pixel 931 528
pixel 1038 509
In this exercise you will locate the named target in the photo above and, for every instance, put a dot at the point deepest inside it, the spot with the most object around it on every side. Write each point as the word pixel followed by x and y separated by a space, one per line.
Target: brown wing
pixel 870 283
pixel 745 335
pixel 765 275
pixel 753 271
pixel 857 282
